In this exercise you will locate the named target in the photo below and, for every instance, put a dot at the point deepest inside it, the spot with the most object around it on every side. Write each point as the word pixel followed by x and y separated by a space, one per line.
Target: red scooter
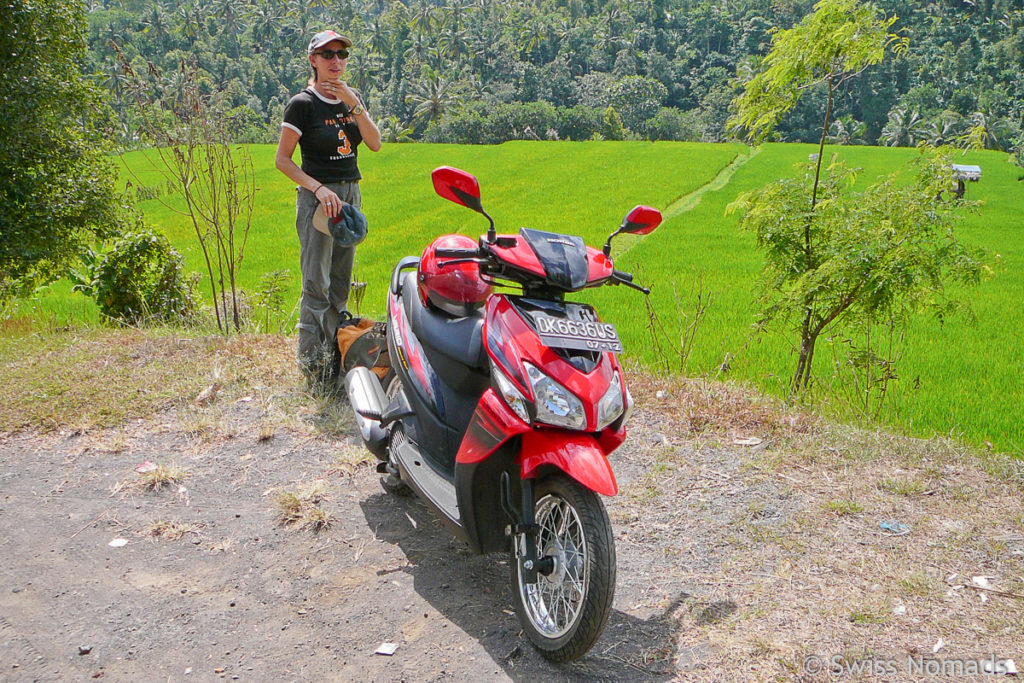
pixel 502 409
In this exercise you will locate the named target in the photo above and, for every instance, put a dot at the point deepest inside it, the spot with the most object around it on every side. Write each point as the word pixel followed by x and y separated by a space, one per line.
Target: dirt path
pixel 727 554
pixel 244 597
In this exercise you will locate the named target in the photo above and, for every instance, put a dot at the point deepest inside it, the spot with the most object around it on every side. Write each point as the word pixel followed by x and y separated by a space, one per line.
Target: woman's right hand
pixel 330 201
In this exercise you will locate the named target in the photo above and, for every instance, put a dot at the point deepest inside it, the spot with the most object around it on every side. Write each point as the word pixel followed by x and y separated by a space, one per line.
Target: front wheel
pixel 564 612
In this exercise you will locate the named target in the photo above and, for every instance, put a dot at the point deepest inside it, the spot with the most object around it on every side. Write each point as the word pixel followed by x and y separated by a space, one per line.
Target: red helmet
pixel 456 289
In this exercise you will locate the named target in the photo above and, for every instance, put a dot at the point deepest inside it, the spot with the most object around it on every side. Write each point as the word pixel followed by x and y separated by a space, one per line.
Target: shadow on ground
pixel 474 593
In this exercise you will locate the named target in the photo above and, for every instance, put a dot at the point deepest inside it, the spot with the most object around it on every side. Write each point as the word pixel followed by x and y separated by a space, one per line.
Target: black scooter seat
pixel 458 340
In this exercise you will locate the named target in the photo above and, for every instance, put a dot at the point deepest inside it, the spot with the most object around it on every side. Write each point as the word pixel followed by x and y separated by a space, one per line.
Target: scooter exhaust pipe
pixel 366 396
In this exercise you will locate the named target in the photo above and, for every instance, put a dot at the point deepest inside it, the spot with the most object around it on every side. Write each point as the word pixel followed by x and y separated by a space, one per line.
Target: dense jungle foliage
pixel 484 71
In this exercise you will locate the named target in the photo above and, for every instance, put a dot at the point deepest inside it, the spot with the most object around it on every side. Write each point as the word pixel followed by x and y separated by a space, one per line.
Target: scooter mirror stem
pixel 492 236
pixel 608 245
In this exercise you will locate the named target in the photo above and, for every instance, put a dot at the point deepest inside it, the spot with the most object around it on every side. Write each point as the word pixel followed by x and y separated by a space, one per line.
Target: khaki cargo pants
pixel 326 277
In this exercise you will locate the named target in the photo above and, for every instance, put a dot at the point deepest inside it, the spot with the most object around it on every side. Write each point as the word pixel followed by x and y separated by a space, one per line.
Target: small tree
pixel 878 254
pixel 831 252
pixel 192 135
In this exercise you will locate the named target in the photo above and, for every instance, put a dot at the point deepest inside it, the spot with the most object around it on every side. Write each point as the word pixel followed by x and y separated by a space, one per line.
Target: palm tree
pixel 113 78
pixel 266 23
pixel 453 43
pixel 155 22
pixel 393 130
pixel 991 132
pixel 421 47
pixel 531 35
pixel 941 131
pixel 846 130
pixel 227 17
pixel 423 21
pixel 190 23
pixel 905 128
pixel 431 98
pixel 380 36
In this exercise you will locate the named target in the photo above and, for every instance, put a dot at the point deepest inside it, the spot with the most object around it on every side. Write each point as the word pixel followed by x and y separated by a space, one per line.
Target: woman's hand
pixel 339 90
pixel 329 201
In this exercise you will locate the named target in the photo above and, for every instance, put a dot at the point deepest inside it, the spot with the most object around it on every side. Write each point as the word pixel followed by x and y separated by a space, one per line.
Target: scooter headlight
pixel 555 404
pixel 512 397
pixel 610 406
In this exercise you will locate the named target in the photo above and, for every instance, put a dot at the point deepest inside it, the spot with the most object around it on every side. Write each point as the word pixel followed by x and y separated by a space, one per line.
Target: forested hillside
pixel 490 70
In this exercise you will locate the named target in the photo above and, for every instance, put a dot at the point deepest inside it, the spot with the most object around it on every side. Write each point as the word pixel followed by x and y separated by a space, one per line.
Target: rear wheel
pixel 564 612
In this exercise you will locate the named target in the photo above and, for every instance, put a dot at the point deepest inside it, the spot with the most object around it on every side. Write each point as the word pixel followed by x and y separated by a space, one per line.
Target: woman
pixel 328 122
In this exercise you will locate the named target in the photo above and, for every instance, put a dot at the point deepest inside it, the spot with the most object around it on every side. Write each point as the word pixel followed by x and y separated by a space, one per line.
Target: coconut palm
pixel 155 23
pixel 190 22
pixel 453 43
pixel 905 128
pixel 846 130
pixel 424 20
pixel 393 130
pixel 992 132
pixel 430 98
pixel 942 131
pixel 267 21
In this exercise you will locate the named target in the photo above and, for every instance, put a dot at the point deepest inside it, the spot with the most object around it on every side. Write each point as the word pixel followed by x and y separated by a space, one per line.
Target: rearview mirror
pixel 642 220
pixel 457 186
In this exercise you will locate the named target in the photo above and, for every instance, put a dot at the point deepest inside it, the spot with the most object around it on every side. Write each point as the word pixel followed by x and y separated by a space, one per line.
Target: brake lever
pixel 621 278
pixel 637 287
pixel 456 261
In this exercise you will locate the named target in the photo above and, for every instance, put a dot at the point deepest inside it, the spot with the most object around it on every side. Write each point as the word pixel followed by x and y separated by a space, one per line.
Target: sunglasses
pixel 331 54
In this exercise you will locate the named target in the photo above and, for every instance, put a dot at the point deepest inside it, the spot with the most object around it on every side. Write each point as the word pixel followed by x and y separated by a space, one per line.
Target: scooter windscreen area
pixel 564 257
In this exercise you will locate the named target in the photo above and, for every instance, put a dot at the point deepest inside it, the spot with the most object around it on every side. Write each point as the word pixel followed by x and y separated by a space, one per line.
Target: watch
pixel 357 110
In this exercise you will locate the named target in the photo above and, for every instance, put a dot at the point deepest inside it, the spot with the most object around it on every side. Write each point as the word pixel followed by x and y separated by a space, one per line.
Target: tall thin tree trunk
pixel 802 376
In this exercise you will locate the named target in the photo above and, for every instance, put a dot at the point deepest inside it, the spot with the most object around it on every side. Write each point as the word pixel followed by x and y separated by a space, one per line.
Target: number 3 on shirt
pixel 345 147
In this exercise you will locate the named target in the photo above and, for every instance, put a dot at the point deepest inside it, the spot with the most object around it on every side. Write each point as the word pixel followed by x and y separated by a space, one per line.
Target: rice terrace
pixel 957 378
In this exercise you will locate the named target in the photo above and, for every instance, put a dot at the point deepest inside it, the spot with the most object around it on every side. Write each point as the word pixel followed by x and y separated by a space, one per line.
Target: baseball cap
pixel 324 37
pixel 348 228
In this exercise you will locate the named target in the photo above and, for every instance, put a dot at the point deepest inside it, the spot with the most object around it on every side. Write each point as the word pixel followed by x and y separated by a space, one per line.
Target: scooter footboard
pixel 578 455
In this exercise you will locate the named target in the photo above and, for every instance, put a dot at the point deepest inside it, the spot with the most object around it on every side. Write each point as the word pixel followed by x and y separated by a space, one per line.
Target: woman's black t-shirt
pixel 328 136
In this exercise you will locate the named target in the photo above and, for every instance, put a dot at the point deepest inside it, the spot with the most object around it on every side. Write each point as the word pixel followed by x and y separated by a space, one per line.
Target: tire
pixel 392 481
pixel 583 582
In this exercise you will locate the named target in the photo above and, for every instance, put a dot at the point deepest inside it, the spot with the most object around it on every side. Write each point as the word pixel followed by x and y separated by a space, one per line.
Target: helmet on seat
pixel 456 289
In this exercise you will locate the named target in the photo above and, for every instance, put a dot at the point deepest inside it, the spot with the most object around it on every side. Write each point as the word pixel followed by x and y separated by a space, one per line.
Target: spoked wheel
pixel 564 612
pixel 392 481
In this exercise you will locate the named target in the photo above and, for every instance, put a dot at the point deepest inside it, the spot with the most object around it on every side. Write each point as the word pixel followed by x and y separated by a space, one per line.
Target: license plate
pixel 577 334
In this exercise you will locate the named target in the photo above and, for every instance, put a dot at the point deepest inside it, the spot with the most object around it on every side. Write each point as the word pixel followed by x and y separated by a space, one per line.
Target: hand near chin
pixel 341 91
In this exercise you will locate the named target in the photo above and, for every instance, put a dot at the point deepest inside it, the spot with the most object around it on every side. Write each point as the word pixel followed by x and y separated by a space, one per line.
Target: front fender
pixel 578 455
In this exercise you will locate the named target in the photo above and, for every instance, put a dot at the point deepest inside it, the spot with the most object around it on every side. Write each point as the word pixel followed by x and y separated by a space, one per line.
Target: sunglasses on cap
pixel 331 54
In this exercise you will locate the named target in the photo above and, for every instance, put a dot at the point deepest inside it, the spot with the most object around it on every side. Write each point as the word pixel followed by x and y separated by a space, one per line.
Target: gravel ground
pixel 725 554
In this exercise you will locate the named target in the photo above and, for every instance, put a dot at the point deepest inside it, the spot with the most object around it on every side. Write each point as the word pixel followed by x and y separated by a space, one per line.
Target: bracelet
pixel 317 190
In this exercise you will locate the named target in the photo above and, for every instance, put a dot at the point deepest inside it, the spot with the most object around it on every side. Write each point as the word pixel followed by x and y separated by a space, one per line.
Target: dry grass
pixel 172 530
pixel 783 547
pixel 160 477
pixel 83 379
pixel 701 408
pixel 300 507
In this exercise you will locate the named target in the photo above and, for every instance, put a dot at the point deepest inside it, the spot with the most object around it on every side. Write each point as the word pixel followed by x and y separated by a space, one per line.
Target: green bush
pixel 672 124
pixel 140 279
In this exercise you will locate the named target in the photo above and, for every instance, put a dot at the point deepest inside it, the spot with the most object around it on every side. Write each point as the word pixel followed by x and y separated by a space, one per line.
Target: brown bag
pixel 364 342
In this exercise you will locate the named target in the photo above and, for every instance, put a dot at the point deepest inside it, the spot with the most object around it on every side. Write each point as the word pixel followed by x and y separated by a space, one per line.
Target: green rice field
pixel 954 379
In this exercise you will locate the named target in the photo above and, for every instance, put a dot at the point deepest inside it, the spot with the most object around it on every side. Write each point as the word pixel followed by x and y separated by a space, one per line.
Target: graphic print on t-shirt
pixel 344 145
pixel 345 148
